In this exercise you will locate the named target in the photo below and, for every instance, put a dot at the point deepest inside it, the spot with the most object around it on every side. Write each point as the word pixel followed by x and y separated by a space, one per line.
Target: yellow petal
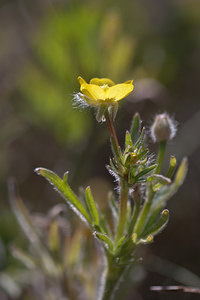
pixel 102 81
pixel 120 91
pixel 81 80
pixel 93 91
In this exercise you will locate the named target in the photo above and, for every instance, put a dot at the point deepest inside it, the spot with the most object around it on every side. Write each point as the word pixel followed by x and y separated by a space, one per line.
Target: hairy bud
pixel 163 128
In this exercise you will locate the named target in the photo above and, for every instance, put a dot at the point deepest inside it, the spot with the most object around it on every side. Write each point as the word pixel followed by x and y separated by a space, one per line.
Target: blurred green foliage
pixel 70 43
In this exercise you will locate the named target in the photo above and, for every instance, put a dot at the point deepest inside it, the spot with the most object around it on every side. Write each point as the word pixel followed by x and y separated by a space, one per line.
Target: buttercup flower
pixel 103 94
pixel 103 91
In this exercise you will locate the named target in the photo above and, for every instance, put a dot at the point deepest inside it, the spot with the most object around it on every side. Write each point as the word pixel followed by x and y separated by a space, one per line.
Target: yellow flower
pixel 101 91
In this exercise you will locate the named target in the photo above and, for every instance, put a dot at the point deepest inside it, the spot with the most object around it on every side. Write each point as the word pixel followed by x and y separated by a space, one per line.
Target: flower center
pixel 105 87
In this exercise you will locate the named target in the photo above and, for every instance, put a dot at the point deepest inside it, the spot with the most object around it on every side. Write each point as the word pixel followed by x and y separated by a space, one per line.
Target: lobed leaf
pixel 166 192
pixel 65 191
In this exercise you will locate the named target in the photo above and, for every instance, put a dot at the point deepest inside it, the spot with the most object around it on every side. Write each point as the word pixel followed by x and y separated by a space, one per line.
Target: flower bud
pixel 163 128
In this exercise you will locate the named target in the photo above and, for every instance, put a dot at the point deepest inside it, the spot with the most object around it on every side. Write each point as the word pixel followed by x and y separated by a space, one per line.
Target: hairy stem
pixel 113 136
pixel 122 210
pixel 112 278
pixel 137 204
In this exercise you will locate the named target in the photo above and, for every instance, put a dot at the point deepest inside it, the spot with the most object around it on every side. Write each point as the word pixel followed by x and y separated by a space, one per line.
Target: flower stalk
pixel 113 135
pixel 161 155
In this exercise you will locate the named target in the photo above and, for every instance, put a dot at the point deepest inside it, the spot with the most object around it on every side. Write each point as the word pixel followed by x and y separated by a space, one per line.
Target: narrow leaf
pixel 135 127
pixel 172 166
pixel 104 238
pixel 113 207
pixel 54 236
pixel 128 140
pixel 91 206
pixel 145 171
pixel 158 226
pixel 159 181
pixel 147 240
pixel 120 243
pixel 25 258
pixel 47 263
pixel 65 191
pixel 166 192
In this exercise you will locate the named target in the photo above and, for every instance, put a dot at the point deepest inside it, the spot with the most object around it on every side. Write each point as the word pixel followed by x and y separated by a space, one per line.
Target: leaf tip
pixel 37 171
pixel 65 176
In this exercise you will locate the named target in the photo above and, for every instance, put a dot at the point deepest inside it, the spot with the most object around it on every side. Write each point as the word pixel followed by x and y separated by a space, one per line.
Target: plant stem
pixel 112 278
pixel 161 155
pixel 136 209
pixel 113 136
pixel 122 210
pixel 123 186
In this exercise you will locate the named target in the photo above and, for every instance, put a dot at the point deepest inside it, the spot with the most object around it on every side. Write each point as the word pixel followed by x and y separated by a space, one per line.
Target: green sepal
pixel 63 188
pixel 101 112
pixel 135 127
pixel 91 206
pixel 113 110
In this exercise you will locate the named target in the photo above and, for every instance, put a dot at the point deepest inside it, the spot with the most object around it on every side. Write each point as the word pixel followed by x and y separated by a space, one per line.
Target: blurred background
pixel 44 46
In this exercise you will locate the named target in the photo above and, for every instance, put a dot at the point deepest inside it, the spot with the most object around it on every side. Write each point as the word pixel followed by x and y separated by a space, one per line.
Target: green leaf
pixel 158 181
pixel 46 262
pixel 63 188
pixel 140 142
pixel 147 240
pixel 145 171
pixel 105 239
pixel 158 226
pixel 166 192
pixel 113 207
pixel 128 140
pixel 135 127
pixel 119 243
pixel 104 227
pixel 25 258
pixel 10 285
pixel 91 206
pixel 172 166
